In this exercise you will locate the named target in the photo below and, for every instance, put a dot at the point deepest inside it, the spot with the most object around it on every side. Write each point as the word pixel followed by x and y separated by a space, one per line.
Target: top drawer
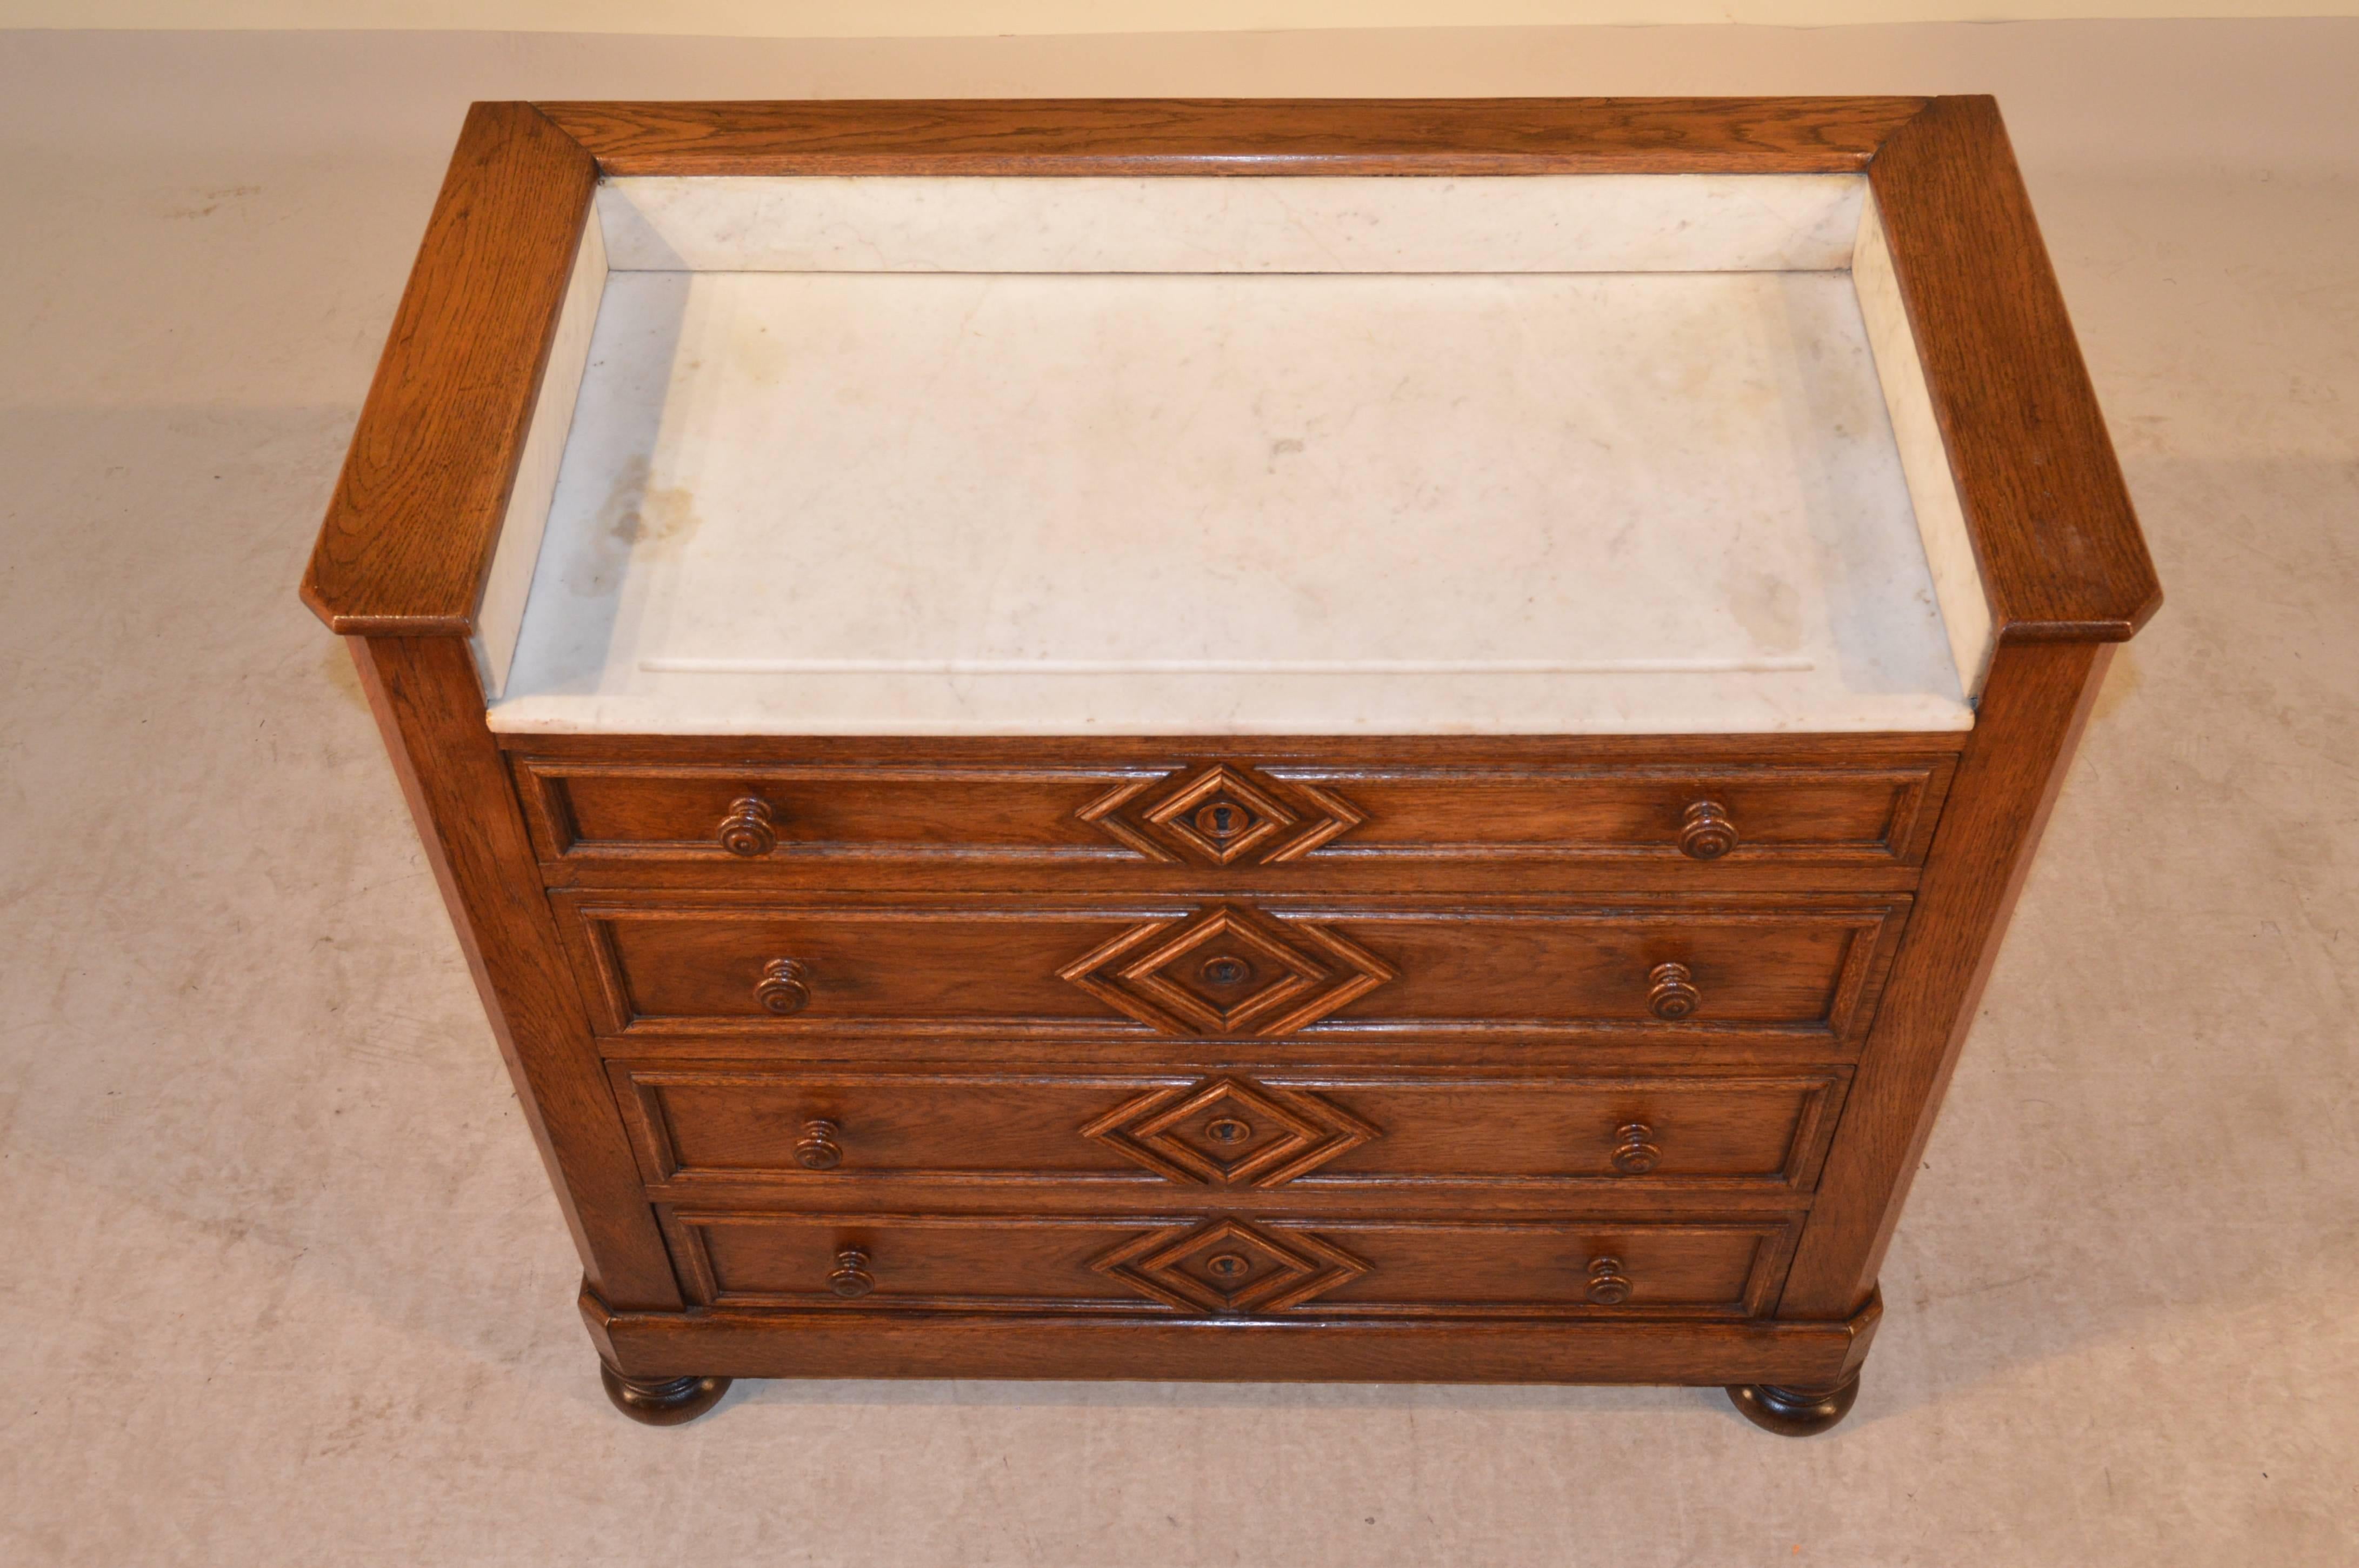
pixel 1268 822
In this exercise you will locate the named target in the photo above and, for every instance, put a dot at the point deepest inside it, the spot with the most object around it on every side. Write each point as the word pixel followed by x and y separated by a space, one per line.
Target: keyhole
pixel 1226 1265
pixel 1221 821
pixel 1228 1130
pixel 1226 970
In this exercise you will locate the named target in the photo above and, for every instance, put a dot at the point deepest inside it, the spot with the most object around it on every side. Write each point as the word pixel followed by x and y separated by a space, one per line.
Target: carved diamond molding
pixel 1228 969
pixel 1229 1266
pixel 1231 1132
pixel 1220 816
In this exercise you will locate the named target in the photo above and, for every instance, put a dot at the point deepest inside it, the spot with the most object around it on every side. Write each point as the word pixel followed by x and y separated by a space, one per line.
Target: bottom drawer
pixel 1222 1265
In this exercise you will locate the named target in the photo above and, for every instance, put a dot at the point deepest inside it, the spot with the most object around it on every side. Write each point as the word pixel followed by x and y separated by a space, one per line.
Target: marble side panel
pixel 1549 224
pixel 501 615
pixel 888 503
pixel 1924 458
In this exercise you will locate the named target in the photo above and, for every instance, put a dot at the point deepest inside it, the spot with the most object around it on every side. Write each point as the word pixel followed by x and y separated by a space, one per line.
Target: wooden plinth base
pixel 653 1346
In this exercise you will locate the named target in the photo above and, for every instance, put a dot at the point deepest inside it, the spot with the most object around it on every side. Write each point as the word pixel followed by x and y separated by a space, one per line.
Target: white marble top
pixel 910 501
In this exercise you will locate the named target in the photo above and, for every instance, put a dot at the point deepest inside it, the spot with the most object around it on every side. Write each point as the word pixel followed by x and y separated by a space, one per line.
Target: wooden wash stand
pixel 1368 740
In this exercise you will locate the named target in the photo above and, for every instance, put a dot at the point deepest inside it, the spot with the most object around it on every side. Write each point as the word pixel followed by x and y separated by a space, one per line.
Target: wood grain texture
pixel 1069 967
pixel 1126 819
pixel 741 1126
pixel 1120 1046
pixel 1603 1349
pixel 1222 1264
pixel 1238 136
pixel 1474 814
pixel 2033 709
pixel 2058 545
pixel 429 706
pixel 417 513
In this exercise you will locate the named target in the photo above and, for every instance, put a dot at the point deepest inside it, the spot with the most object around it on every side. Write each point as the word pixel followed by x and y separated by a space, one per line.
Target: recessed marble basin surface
pixel 1582 454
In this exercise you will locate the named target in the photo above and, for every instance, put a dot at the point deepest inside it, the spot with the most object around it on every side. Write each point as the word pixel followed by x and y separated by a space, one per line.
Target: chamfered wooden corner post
pixel 2033 707
pixel 429 706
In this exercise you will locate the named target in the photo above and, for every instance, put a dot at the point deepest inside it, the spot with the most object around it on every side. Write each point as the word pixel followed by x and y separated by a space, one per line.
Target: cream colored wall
pixel 944 19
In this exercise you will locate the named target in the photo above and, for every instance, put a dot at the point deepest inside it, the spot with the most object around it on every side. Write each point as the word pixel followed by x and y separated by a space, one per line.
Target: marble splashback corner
pixel 1924 459
pixel 500 617
pixel 1707 223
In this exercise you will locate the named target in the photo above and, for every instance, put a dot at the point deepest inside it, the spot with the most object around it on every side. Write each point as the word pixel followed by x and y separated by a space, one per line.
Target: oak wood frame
pixel 409 539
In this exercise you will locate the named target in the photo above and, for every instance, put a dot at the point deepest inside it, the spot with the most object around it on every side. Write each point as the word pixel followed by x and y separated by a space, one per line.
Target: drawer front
pixel 1704 816
pixel 756 813
pixel 1247 1132
pixel 1229 968
pixel 1226 1265
pixel 1234 816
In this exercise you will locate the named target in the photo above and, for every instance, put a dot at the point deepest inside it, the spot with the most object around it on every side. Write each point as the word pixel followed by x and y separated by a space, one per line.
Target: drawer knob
pixel 1674 996
pixel 817 1148
pixel 852 1277
pixel 1707 833
pixel 1608 1286
pixel 746 831
pixel 1635 1151
pixel 781 988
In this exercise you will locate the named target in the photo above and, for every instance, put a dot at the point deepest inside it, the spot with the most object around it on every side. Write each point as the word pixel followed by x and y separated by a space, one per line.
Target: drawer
pixel 1226 1265
pixel 1341 1134
pixel 1232 816
pixel 1228 968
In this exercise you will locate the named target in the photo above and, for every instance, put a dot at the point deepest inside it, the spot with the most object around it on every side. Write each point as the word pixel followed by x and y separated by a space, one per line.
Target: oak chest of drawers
pixel 1239 740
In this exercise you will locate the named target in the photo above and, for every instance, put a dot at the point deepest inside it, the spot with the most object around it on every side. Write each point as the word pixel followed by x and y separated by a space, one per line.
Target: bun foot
pixel 662 1401
pixel 1794 1413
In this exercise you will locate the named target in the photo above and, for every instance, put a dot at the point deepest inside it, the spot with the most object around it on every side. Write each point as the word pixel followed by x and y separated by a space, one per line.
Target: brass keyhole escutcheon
pixel 1227 1265
pixel 1221 821
pixel 1228 1130
pixel 1227 969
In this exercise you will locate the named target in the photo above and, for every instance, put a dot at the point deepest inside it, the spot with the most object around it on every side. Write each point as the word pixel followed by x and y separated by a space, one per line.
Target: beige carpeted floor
pixel 283 1283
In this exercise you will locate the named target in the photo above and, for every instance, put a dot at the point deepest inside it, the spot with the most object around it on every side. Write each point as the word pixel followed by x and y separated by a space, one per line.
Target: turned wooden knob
pixel 781 988
pixel 1608 1286
pixel 746 831
pixel 1707 834
pixel 852 1277
pixel 1634 1152
pixel 1674 996
pixel 817 1148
